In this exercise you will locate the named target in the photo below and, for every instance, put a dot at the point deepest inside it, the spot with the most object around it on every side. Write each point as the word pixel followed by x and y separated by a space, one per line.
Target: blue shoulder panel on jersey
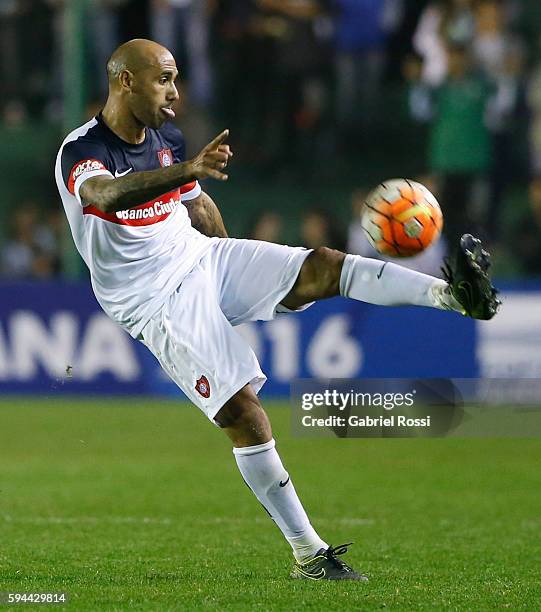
pixel 101 144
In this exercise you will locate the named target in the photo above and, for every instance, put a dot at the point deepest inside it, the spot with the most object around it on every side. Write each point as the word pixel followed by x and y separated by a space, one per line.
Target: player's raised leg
pixel 246 423
pixel 327 273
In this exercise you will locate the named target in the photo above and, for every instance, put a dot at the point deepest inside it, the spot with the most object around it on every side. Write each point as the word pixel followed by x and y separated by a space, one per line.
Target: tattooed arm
pixel 113 194
pixel 205 216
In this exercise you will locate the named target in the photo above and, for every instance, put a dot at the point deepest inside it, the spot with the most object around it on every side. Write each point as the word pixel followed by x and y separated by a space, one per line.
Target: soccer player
pixel 163 268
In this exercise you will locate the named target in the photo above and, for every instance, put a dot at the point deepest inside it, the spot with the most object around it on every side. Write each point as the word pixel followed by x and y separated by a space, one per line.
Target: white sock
pixel 263 472
pixel 387 284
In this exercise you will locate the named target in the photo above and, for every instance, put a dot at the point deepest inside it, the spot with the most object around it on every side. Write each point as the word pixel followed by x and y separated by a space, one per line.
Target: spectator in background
pixel 14 114
pixel 267 226
pixel 533 98
pixel 297 92
pixel 416 110
pixel 361 29
pixel 10 68
pixel 419 106
pixel 26 254
pixel 183 26
pixel 243 49
pixel 528 245
pixel 319 228
pixel 50 236
pixel 104 21
pixel 528 18
pixel 106 24
pixel 492 40
pixel 460 149
pixel 499 55
pixel 442 22
pixel 25 49
pixel 56 76
pixel 17 254
pixel 506 118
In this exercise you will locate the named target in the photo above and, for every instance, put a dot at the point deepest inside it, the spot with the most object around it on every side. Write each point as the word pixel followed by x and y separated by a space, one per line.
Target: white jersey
pixel 137 257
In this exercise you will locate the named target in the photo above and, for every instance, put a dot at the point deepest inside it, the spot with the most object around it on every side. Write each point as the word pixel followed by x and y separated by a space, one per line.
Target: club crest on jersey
pixel 202 386
pixel 166 157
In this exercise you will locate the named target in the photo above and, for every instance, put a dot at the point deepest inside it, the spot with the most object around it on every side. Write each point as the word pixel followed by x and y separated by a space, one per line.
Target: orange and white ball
pixel 401 218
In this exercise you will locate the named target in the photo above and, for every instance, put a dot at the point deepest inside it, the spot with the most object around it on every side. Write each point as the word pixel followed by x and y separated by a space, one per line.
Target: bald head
pixel 136 55
pixel 142 88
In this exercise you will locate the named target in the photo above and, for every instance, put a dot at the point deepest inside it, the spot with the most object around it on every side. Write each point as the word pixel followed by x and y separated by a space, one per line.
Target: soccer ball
pixel 401 218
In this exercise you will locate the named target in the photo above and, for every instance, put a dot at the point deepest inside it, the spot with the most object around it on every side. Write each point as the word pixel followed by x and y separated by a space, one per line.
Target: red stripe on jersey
pixel 82 166
pixel 187 187
pixel 145 214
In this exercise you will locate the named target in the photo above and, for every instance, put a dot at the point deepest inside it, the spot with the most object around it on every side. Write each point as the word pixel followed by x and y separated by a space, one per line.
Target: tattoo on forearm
pixel 134 188
pixel 206 217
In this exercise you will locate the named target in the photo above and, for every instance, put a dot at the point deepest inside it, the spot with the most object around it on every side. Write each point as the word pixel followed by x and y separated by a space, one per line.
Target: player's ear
pixel 126 79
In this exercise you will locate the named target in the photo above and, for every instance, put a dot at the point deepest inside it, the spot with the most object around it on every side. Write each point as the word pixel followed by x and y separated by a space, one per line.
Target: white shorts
pixel 192 336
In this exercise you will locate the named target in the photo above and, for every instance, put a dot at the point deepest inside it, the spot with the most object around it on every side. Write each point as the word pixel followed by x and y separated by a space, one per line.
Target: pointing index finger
pixel 214 144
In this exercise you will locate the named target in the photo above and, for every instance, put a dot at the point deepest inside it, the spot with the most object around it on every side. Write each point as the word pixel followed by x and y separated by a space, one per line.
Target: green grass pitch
pixel 138 505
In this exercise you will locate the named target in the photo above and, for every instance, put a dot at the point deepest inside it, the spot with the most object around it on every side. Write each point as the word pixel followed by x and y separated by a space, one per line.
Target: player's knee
pixel 244 419
pixel 323 269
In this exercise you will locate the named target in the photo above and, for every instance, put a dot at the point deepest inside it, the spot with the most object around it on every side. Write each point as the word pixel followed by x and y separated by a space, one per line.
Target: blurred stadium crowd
pixel 334 94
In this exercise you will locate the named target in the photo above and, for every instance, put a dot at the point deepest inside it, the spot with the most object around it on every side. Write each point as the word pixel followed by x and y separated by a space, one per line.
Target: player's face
pixel 154 92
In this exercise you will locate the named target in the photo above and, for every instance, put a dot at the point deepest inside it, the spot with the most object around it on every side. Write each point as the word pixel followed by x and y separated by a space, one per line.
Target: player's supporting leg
pixel 327 273
pixel 246 423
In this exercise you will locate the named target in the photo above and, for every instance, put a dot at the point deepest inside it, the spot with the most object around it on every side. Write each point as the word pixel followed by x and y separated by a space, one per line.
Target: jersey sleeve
pixel 177 143
pixel 190 191
pixel 82 160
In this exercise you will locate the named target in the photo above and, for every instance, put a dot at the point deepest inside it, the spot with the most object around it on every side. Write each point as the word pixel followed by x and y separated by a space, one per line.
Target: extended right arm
pixel 112 194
